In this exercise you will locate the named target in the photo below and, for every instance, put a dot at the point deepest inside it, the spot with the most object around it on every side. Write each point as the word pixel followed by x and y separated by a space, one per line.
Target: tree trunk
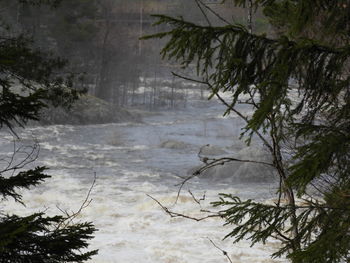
pixel 103 90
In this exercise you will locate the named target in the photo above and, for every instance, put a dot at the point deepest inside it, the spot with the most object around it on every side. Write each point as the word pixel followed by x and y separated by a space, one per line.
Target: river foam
pixel 132 162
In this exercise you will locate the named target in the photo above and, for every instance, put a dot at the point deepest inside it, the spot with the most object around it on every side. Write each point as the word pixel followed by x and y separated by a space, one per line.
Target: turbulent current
pixel 134 160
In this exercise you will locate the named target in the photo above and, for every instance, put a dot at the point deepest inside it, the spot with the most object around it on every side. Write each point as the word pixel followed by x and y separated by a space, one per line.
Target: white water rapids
pixel 132 160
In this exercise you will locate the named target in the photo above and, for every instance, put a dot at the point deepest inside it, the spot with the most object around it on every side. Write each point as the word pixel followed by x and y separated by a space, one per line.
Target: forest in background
pixel 297 85
pixel 100 38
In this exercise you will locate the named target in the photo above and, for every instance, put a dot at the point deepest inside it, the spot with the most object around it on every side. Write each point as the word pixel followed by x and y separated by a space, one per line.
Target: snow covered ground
pixel 133 160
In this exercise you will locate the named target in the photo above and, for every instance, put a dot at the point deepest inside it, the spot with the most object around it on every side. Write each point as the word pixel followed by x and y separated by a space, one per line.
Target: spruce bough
pixel 297 84
pixel 37 237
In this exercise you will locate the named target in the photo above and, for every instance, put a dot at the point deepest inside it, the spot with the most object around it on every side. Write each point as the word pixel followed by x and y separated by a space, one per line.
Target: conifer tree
pixel 297 84
pixel 29 79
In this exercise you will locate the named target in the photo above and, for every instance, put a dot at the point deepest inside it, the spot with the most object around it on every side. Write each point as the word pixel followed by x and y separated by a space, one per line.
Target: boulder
pixel 212 150
pixel 86 110
pixel 171 144
pixel 241 172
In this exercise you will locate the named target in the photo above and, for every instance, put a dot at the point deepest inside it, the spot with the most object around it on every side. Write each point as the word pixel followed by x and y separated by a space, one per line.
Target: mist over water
pixel 136 159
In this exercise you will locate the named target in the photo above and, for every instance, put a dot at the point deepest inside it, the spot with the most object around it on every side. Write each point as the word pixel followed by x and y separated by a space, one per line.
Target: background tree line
pixel 101 38
pixel 37 39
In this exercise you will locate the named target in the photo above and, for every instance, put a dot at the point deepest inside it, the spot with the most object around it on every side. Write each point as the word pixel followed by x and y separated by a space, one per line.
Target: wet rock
pixel 87 110
pixel 241 172
pixel 212 150
pixel 171 144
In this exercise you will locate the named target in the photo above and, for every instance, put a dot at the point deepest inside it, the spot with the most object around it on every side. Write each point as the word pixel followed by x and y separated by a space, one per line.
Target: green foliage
pixel 298 87
pixel 25 179
pixel 37 238
pixel 323 20
pixel 258 222
pixel 29 80
pixel 250 213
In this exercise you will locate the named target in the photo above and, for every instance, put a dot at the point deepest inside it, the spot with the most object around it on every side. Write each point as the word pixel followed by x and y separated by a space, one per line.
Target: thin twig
pixel 198 201
pixel 229 107
pixel 175 214
pixel 87 201
pixel 215 13
pixel 223 251
pixel 202 11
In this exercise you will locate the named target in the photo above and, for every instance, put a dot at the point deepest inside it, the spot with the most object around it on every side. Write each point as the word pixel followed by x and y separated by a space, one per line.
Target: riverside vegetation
pixel 34 237
pixel 296 81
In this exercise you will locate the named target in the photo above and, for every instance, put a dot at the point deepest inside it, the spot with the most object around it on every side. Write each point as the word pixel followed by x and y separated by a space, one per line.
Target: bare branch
pixel 223 251
pixel 229 107
pixel 198 2
pixel 175 214
pixel 215 13
pixel 30 153
pixel 71 216
pixel 198 201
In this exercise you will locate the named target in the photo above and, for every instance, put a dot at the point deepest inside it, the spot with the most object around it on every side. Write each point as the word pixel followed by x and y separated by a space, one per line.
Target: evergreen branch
pixel 35 240
pixel 230 59
pixel 26 179
pixel 247 217
pixel 238 29
pixel 258 221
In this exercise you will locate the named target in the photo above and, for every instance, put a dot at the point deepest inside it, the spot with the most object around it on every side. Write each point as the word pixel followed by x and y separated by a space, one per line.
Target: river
pixel 134 160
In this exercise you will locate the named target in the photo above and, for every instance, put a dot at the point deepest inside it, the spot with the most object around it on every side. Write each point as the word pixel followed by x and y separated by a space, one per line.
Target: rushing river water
pixel 133 160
